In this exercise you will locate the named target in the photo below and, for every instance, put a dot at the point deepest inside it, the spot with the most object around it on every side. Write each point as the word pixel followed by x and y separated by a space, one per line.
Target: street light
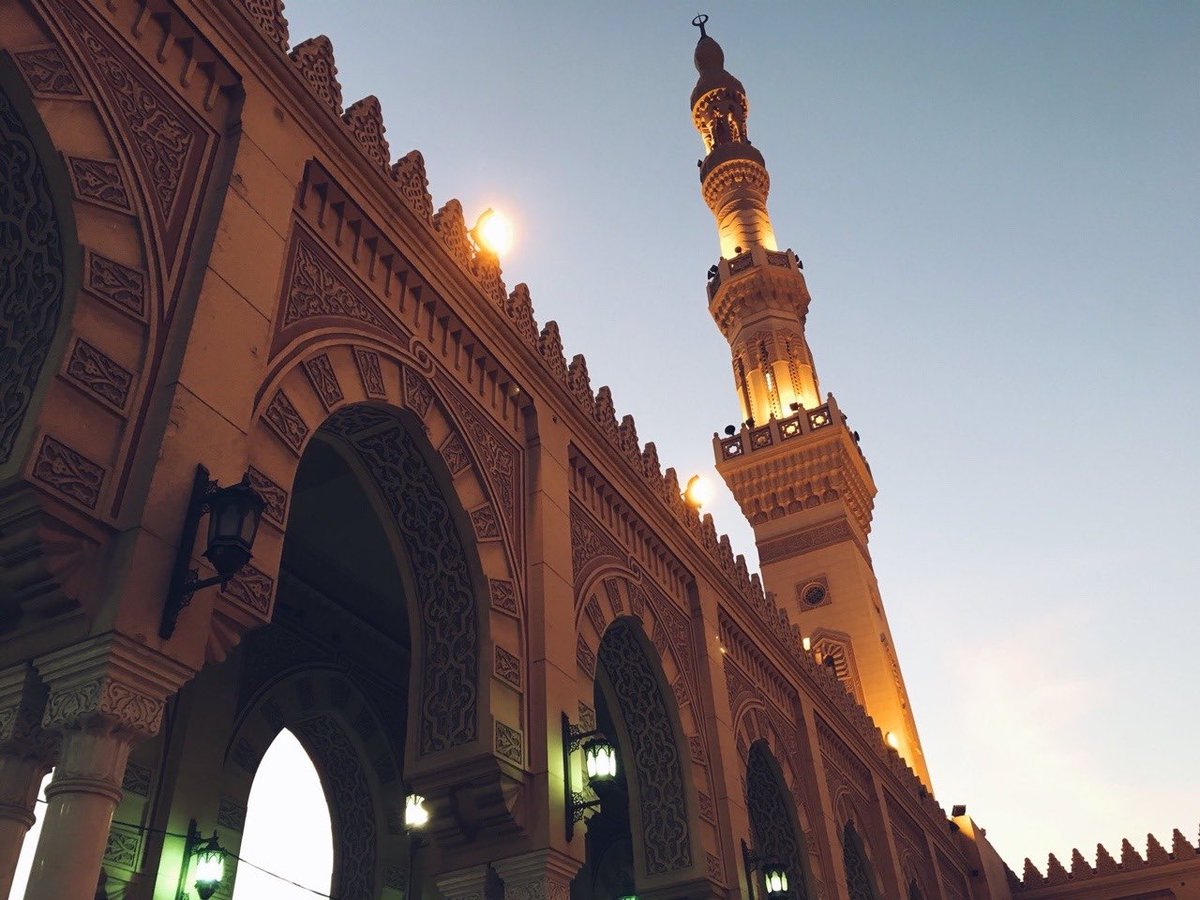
pixel 206 859
pixel 233 516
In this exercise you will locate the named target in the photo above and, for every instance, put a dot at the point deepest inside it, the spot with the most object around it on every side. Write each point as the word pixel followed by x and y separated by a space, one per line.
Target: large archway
pixel 773 826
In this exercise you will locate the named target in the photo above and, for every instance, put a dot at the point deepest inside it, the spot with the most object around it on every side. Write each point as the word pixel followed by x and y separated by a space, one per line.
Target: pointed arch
pixel 663 805
pixel 773 822
pixel 862 882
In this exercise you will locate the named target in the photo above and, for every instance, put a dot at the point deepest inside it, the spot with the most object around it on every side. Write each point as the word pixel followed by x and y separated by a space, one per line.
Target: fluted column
pixel 541 875
pixel 105 695
pixel 26 754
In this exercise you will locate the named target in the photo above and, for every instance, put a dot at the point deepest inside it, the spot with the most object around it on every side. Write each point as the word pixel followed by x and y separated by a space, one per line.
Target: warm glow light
pixel 698 491
pixel 776 879
pixel 415 813
pixel 493 232
pixel 600 760
pixel 892 740
pixel 806 643
pixel 209 868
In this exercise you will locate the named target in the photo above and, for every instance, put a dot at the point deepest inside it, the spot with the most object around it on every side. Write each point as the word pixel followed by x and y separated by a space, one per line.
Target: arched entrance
pixel 773 826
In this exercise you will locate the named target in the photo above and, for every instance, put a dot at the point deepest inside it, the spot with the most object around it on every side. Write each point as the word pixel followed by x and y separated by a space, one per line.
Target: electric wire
pixel 146 829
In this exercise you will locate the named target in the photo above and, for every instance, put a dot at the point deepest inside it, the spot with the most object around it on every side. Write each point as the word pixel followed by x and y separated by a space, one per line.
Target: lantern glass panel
pixel 776 880
pixel 600 761
pixel 210 867
pixel 415 813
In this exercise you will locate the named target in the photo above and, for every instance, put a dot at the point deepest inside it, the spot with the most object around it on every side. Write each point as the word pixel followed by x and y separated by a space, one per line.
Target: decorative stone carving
pixel 231 815
pixel 99 181
pixel 319 287
pixel 99 375
pixel 252 588
pixel 454 453
pixel 370 372
pixel 115 284
pixel 160 133
pixel 509 744
pixel 68 472
pixel 276 497
pixel 268 16
pixel 508 667
pixel 496 454
pixel 483 520
pixel 104 699
pixel 803 541
pixel 350 793
pixel 519 306
pixel 31 274
pixel 453 230
pixel 551 349
pixel 656 762
pixel 772 817
pixel 417 394
pixel 445 595
pixel 589 542
pixel 578 380
pixel 408 173
pixel 286 422
pixel 47 73
pixel 122 847
pixel 314 59
pixel 137 779
pixel 503 595
pixel 324 380
pixel 365 120
pixel 584 656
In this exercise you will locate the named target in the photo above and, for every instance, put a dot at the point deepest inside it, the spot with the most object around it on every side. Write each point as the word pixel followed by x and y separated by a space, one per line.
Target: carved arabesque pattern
pixel 354 820
pixel 656 760
pixel 858 872
pixel 446 597
pixel 31 273
pixel 768 804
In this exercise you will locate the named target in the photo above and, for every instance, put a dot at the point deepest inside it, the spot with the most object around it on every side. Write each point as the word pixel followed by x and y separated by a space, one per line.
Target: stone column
pixel 26 754
pixel 541 875
pixel 463 884
pixel 105 694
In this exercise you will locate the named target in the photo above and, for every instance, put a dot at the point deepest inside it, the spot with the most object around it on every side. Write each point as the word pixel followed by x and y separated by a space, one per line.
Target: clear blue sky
pixel 997 206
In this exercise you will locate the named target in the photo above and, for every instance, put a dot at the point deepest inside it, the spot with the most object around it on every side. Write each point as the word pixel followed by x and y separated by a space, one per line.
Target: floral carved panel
pixel 656 764
pixel 318 286
pixel 99 181
pixel 68 472
pixel 445 594
pixel 31 273
pixel 99 375
pixel 47 73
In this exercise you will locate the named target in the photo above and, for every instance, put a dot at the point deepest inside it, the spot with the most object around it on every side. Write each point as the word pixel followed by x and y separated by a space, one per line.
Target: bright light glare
pixel 600 760
pixel 776 879
pixel 494 232
pixel 210 867
pixel 415 813
pixel 699 491
pixel 892 740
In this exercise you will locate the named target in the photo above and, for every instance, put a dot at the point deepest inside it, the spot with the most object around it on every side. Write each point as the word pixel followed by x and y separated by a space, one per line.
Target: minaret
pixel 794 466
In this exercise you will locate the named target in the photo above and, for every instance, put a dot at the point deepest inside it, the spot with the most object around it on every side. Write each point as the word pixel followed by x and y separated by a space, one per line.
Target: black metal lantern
pixel 203 862
pixel 599 760
pixel 774 873
pixel 233 516
pixel 599 765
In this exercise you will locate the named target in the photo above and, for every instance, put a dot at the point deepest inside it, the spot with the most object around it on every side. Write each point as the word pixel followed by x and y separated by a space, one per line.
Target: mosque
pixel 522 662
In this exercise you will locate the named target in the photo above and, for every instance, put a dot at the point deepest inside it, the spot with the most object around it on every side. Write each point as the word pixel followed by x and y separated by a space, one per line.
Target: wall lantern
pixel 774 873
pixel 599 763
pixel 233 516
pixel 416 816
pixel 206 860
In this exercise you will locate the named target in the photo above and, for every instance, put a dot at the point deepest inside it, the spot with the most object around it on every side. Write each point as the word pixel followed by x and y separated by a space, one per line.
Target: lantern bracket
pixel 577 803
pixel 752 861
pixel 185 580
pixel 194 843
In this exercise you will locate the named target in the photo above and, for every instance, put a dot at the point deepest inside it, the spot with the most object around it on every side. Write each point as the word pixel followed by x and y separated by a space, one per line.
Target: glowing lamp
pixel 698 491
pixel 776 879
pixel 415 814
pixel 493 232
pixel 600 760
pixel 205 860
pixel 892 740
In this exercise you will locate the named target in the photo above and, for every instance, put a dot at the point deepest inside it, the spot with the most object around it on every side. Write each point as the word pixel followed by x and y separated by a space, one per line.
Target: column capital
pixel 109 683
pixel 22 703
pixel 540 875
pixel 464 884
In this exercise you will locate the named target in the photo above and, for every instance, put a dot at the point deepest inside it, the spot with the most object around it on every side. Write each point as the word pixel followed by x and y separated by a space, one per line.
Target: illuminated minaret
pixel 794 466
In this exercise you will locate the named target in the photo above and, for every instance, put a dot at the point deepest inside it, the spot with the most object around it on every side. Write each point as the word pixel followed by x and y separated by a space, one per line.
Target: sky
pixel 998 209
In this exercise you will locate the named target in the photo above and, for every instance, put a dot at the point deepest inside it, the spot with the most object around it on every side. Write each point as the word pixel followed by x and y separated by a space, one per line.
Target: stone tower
pixel 795 467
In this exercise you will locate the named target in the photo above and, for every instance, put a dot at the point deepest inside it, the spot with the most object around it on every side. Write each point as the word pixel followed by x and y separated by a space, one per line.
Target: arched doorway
pixel 288 833
pixel 773 826
pixel 860 879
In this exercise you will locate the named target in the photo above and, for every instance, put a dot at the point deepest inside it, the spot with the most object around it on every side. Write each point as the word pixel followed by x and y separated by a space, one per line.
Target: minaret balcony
pixel 752 438
pixel 753 258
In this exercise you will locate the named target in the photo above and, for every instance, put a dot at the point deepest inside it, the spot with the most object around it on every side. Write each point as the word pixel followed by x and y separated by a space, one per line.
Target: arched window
pixel 288 830
pixel 859 880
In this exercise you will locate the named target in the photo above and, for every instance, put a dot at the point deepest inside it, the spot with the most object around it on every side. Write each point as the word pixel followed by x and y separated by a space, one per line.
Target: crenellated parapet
pixel 1135 873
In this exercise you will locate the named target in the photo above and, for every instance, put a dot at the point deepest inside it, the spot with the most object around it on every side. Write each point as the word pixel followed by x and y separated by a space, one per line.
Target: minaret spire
pixel 795 467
